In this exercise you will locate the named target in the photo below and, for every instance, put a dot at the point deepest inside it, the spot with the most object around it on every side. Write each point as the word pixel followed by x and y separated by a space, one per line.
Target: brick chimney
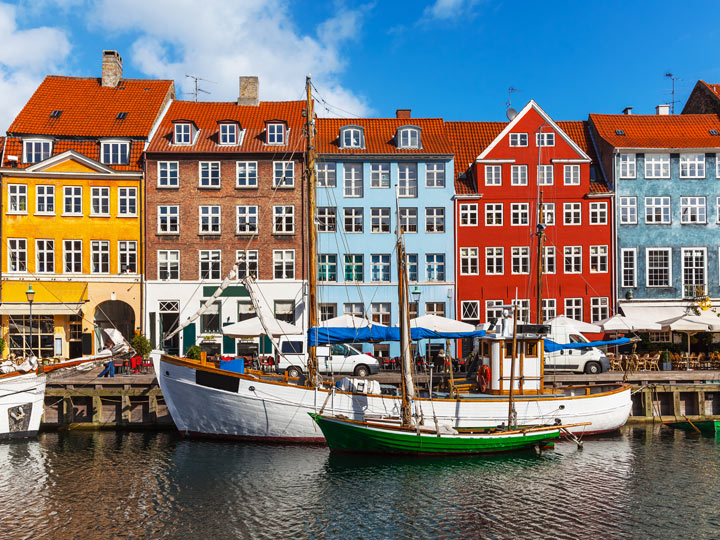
pixel 111 68
pixel 249 91
pixel 402 113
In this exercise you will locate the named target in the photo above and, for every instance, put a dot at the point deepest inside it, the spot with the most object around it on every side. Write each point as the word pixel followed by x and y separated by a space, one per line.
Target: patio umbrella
pixel 437 323
pixel 580 326
pixel 620 323
pixel 686 325
pixel 348 321
pixel 253 328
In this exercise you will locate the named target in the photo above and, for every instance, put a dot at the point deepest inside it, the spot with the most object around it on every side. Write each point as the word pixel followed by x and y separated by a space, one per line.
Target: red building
pixel 502 171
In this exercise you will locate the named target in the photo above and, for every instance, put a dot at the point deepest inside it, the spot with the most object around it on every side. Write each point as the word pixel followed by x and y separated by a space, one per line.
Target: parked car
pixel 343 359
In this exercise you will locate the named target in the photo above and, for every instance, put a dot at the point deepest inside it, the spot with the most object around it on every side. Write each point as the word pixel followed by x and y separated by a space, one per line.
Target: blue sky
pixel 449 58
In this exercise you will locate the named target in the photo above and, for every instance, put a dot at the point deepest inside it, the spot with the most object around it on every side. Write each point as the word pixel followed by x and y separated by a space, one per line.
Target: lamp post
pixel 30 295
pixel 416 296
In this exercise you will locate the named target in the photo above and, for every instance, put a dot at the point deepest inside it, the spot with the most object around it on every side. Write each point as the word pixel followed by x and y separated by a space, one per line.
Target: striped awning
pixel 41 308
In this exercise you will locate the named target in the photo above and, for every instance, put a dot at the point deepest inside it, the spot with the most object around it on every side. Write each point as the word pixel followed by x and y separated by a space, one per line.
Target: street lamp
pixel 30 295
pixel 416 294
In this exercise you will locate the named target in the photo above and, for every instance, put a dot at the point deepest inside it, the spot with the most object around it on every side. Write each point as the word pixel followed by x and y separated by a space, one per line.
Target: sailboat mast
pixel 511 404
pixel 312 236
pixel 540 233
pixel 408 387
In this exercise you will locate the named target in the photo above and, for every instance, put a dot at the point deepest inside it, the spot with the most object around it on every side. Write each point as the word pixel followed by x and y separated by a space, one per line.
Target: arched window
pixel 408 137
pixel 352 137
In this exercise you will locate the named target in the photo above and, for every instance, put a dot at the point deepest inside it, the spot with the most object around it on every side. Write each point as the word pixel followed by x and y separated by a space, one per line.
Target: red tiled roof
pixel 206 116
pixel 469 139
pixel 87 148
pixel 579 131
pixel 714 88
pixel 658 131
pixel 380 135
pixel 90 110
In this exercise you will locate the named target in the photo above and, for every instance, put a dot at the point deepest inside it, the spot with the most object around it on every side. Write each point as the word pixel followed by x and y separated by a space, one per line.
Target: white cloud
pixel 26 56
pixel 448 9
pixel 219 42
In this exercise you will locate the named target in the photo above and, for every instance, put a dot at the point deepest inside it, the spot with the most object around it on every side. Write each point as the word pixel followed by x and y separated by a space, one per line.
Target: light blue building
pixel 362 165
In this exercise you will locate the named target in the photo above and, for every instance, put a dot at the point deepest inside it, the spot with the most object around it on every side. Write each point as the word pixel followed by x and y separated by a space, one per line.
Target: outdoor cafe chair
pixel 653 363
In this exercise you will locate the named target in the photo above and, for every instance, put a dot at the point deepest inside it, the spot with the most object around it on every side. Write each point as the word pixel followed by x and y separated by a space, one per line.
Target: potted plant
pixel 142 345
pixel 665 360
pixel 193 353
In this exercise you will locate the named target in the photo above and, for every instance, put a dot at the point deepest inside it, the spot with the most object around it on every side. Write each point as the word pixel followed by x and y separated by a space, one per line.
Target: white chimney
pixel 627 111
pixel 249 91
pixel 111 68
pixel 662 110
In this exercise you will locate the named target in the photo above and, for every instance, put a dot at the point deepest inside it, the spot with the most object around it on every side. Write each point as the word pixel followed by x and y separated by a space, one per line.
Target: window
pixel 549 260
pixel 100 257
pixel 209 219
pixel 435 220
pixel 127 201
pixel 353 175
pixel 519 214
pixel 327 219
pixel 573 259
pixel 45 200
pixel 658 267
pixel 36 151
pixel 469 214
pixel 470 311
pixel 380 312
pixel 657 209
pixel 183 133
pixel 520 260
pixel 493 175
pixel 469 261
pixel 283 219
pixel 598 213
pixel 42 329
pixel 657 165
pixel 168 219
pixel 328 311
pixel 127 257
pixel 168 264
pixel 659 337
pixel 493 309
pixel 692 210
pixel 435 267
pixel 408 137
pixel 412 266
pixel 115 153
pixel 549 308
pixel 407 179
pixel 228 134
pixel 574 308
pixel 355 309
pixel 283 174
pixel 247 219
pixel 210 319
pixel 545 175
pixel 545 139
pixel 380 220
pixel 629 267
pixel 380 175
pixel 209 174
pixel 284 263
pixel 493 214
pixel 17 195
pixel 380 268
pixel 548 213
pixel 327 264
pixel 523 309
pixel 518 175
pixel 246 174
pixel 518 139
pixel 326 175
pixel 435 175
pixel 692 165
pixel 351 137
pixel 210 264
pixel 72 200
pixel 168 174
pixel 599 309
pixel 100 201
pixel 598 259
pixel 276 133
pixel 572 175
pixel 353 220
pixel 628 210
pixel 627 166
pixel 353 268
pixel 72 255
pixel 247 263
pixel 409 220
pixel 494 261
pixel 17 253
pixel 246 311
pixel 572 213
pixel 44 256
pixel 717 209
pixel 693 268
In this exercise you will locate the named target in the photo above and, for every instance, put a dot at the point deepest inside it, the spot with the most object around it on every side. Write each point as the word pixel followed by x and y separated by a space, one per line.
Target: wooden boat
pixel 22 395
pixel 702 426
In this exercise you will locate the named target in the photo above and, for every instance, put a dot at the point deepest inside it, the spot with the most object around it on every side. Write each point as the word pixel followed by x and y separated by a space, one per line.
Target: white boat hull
pixel 276 411
pixel 21 404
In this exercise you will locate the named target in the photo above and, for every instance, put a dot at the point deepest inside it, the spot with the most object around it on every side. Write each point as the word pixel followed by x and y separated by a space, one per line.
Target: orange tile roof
pixel 469 139
pixel 714 88
pixel 380 135
pixel 658 131
pixel 90 110
pixel 88 148
pixel 206 115
pixel 579 131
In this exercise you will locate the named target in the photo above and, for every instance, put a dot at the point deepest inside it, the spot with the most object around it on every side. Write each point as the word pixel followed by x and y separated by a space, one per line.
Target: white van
pixel 343 359
pixel 586 360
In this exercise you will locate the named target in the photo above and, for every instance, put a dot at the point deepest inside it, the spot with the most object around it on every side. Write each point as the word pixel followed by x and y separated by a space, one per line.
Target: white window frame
pixel 469 214
pixel 598 213
pixel 519 212
pixel 246 174
pixel 102 249
pixel 126 249
pixel 599 308
pixel 628 210
pixel 380 266
pixel 283 180
pixel 657 166
pixel 286 259
pixel 327 219
pixel 493 255
pixel 573 256
pixel 210 172
pixel 19 248
pixel 351 137
pixel 326 172
pixel 379 175
pixel 628 166
pixel 493 175
pixel 408 180
pixel 247 260
pixel 168 174
pixel 228 134
pixel 354 261
pixel 76 192
pixel 693 210
pixel 549 308
pixel 284 219
pixel 99 194
pixel 545 175
pixel 29 155
pixel 549 213
pixel 119 157
pixel 664 205
pixel 127 195
pixel 494 214
pixel 164 214
pixel 327 267
pixel 571 175
pixel 599 259
pixel 519 260
pixel 209 212
pixel 251 221
pixel 494 309
pixel 168 258
pixel 669 281
pixel 353 180
pixel 275 133
pixel 435 220
pixel 435 263
pixel 16 194
pixel 468 308
pixel 549 254
pixel 545 138
pixel 72 256
pixel 380 220
pixel 573 306
pixel 704 284
pixel 183 134
pixel 353 212
pixel 408 137
pixel 518 139
pixel 45 193
pixel 692 166
pixel 44 256
pixel 572 213
pixel 628 271
pixel 469 261
pixel 212 259
pixel 518 175
pixel 435 175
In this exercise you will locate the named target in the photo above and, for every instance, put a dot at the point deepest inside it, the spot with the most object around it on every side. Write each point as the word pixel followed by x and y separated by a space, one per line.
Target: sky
pixel 454 59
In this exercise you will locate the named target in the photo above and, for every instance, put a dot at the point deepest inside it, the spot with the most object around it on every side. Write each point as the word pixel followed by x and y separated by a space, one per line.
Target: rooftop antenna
pixel 198 89
pixel 672 102
pixel 510 113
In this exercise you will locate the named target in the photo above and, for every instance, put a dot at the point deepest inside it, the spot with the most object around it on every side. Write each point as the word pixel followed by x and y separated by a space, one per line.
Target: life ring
pixel 483 377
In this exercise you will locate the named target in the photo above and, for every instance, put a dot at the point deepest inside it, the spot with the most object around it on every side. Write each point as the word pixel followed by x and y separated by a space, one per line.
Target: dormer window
pixel 115 152
pixel 276 133
pixel 408 137
pixel 183 133
pixel 37 150
pixel 352 137
pixel 228 133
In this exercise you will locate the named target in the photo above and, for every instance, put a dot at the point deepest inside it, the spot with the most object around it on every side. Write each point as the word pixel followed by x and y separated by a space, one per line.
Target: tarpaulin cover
pixel 551 346
pixel 322 336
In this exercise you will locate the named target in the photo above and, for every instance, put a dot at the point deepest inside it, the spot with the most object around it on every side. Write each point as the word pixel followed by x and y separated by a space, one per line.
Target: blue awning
pixel 324 336
pixel 551 346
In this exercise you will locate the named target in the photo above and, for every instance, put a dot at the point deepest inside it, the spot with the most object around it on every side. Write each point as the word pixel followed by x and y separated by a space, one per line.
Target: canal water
pixel 645 482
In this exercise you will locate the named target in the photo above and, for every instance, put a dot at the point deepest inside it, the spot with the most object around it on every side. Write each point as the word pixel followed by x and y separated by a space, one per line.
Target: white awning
pixel 41 308
pixel 655 313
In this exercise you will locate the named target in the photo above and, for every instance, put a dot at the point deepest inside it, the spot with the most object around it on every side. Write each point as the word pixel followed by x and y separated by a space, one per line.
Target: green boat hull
pixel 346 436
pixel 705 426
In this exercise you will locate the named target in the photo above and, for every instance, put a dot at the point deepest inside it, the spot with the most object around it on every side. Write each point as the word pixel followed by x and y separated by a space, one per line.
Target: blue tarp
pixel 551 346
pixel 324 336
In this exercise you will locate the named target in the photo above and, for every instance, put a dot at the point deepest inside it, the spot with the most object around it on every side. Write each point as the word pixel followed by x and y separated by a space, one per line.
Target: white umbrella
pixel 580 326
pixel 686 325
pixel 348 321
pixel 620 323
pixel 437 323
pixel 252 328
